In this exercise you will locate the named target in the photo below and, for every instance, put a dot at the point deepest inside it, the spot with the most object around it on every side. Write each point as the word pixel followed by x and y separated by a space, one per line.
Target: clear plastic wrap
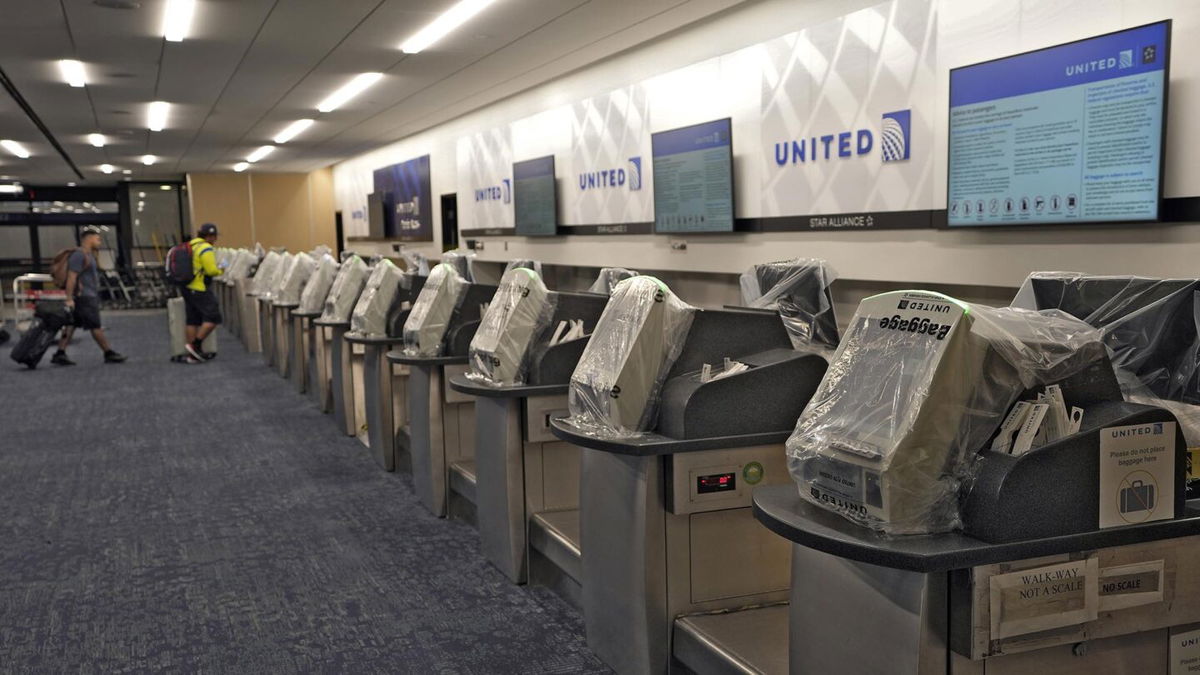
pixel 320 251
pixel 517 316
pixel 527 263
pixel 297 277
pixel 1149 326
pixel 312 300
pixel 426 326
pixel 915 390
pixel 615 388
pixel 799 290
pixel 415 263
pixel 264 278
pixel 286 262
pixel 608 279
pixel 343 295
pixel 370 318
pixel 259 251
pixel 240 265
pixel 463 261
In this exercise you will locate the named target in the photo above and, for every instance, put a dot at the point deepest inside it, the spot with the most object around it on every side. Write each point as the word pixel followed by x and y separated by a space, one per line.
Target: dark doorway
pixel 449 222
pixel 339 233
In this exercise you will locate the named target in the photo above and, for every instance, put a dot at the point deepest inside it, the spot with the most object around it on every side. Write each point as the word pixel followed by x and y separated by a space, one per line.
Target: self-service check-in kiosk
pixel 383 405
pixel 232 285
pixel 330 339
pixel 268 337
pixel 285 300
pixel 377 304
pixel 973 495
pixel 527 481
pixel 681 412
pixel 260 285
pixel 437 335
pixel 304 372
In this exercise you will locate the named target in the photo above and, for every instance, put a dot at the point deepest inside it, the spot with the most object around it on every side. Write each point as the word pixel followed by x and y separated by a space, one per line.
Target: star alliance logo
pixel 896 132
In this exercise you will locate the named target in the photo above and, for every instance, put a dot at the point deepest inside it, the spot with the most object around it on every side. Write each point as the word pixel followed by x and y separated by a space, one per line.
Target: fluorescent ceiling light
pixel 106 168
pixel 350 90
pixel 72 72
pixel 149 160
pixel 12 189
pixel 241 166
pixel 260 153
pixel 156 117
pixel 15 148
pixel 437 29
pixel 164 187
pixel 97 140
pixel 293 130
pixel 177 19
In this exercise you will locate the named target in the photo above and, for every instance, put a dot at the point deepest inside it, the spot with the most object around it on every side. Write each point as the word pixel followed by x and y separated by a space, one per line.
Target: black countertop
pixel 365 340
pixel 781 510
pixel 306 315
pixel 465 386
pixel 405 359
pixel 649 444
pixel 332 324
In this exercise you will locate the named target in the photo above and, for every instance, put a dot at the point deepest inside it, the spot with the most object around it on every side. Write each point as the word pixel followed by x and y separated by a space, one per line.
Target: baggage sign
pixel 1137 474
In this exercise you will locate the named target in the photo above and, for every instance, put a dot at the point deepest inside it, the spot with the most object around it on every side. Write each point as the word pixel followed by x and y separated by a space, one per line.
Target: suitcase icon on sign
pixel 1137 497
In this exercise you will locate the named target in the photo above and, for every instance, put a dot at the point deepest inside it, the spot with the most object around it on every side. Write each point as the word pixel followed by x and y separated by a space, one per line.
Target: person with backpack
pixel 76 272
pixel 203 312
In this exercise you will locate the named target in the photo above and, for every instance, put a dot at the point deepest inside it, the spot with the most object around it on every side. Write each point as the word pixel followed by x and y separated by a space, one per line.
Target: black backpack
pixel 179 264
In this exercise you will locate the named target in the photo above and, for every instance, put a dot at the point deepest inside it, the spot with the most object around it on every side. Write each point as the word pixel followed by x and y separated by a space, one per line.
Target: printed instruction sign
pixel 1043 598
pixel 1137 474
pixel 1131 585
pixel 1185 653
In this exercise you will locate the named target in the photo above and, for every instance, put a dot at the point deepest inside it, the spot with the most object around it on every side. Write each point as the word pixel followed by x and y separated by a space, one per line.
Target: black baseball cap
pixel 208 230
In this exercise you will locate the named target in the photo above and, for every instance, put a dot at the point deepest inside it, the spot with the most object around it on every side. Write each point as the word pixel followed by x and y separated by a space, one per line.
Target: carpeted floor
pixel 163 517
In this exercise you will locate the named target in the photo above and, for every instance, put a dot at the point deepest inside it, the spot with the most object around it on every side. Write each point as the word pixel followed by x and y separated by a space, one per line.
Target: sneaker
pixel 113 357
pixel 194 351
pixel 61 359
pixel 208 356
pixel 189 359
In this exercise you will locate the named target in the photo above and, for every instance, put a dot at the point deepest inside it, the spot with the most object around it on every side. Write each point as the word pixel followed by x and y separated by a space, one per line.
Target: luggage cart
pixel 25 296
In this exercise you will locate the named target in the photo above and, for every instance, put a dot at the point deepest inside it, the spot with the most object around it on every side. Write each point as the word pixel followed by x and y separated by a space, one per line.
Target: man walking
pixel 83 299
pixel 203 313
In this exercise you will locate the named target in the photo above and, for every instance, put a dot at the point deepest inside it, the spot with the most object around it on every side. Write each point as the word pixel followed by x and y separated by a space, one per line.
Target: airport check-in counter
pixel 670 548
pixel 381 386
pixel 286 299
pixel 300 327
pixel 256 301
pixel 943 524
pixel 330 333
pixel 527 481
pixel 441 437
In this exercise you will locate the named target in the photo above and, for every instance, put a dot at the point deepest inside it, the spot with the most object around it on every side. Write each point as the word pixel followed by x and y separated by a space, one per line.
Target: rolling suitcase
pixel 32 346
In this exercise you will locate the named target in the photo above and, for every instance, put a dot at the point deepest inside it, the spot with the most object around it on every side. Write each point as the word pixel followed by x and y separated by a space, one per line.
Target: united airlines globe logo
pixel 895 132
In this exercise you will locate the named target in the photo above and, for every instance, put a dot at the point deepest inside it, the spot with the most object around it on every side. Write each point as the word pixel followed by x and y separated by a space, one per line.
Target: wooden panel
pixel 281 210
pixel 320 185
pixel 224 199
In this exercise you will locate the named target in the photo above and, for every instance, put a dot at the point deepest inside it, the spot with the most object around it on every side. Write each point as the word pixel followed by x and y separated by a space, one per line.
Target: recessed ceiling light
pixel 141 195
pixel 71 184
pixel 72 72
pixel 12 189
pixel 149 160
pixel 241 166
pixel 437 29
pixel 106 168
pixel 15 148
pixel 97 140
pixel 177 19
pixel 348 91
pixel 127 171
pixel 156 115
pixel 292 130
pixel 164 187
pixel 260 153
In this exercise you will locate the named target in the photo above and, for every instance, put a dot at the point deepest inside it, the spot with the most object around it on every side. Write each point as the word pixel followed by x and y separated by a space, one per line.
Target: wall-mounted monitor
pixel 535 201
pixel 1063 135
pixel 693 178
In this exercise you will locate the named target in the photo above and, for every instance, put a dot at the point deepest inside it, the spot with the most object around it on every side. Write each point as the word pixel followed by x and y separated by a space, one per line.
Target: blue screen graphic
pixel 1067 134
pixel 693 178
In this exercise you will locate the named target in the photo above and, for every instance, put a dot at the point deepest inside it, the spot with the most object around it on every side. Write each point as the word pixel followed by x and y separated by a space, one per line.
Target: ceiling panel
pixel 250 67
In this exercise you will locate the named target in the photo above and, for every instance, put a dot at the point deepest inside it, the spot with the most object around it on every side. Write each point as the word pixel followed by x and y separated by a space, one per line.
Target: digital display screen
pixel 717 482
pixel 693 178
pixel 1067 134
pixel 535 202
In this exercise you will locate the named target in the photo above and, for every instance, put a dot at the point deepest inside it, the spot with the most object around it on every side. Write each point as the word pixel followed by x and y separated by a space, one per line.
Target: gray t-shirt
pixel 88 285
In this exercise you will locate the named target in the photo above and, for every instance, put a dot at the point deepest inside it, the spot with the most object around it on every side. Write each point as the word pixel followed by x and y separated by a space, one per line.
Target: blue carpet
pixel 164 517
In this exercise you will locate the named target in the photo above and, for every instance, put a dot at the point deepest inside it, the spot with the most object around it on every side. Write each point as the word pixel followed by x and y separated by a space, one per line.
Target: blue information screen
pixel 535 205
pixel 1072 133
pixel 693 178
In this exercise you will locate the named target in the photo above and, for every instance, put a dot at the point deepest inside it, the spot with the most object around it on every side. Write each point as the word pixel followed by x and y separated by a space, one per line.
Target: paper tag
pixel 1185 653
pixel 1029 430
pixel 1131 585
pixel 1043 598
pixel 1137 473
pixel 1016 417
